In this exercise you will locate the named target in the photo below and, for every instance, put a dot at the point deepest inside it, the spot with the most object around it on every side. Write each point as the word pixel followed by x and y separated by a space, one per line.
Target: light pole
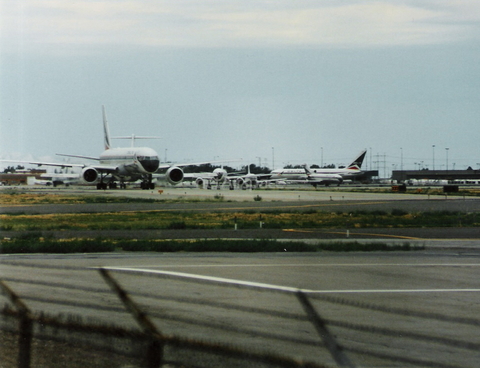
pixel 273 158
pixel 433 153
pixel 446 150
pixel 370 167
pixel 401 158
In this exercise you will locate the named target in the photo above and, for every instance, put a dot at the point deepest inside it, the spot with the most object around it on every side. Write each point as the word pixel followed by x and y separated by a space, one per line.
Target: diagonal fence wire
pixel 270 312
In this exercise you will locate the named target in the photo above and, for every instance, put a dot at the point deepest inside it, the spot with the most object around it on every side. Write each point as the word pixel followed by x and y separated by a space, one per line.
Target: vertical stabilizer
pixel 357 163
pixel 106 133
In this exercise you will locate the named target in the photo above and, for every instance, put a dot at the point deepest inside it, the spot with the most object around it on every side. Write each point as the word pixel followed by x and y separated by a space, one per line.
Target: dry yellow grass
pixel 14 198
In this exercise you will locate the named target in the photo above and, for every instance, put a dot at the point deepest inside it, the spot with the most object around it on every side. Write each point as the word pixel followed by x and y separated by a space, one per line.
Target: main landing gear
pixel 109 185
pixel 147 183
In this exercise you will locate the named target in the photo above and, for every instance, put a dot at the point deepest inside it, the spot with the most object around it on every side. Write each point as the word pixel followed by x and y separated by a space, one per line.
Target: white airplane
pixel 321 179
pixel 125 164
pixel 217 177
pixel 349 172
pixel 243 181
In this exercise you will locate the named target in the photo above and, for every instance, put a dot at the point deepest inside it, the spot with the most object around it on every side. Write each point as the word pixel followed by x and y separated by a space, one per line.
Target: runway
pixel 430 299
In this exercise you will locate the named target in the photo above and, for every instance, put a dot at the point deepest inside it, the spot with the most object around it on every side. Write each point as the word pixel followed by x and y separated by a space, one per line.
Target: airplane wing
pixel 171 164
pixel 101 168
pixel 77 156
pixel 41 163
pixel 203 175
pixel 166 165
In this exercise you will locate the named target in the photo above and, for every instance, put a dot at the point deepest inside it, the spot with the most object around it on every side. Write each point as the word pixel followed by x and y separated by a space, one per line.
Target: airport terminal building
pixel 455 176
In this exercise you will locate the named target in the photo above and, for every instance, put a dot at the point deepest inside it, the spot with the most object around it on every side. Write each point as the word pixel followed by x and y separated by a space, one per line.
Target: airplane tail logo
pixel 106 133
pixel 357 163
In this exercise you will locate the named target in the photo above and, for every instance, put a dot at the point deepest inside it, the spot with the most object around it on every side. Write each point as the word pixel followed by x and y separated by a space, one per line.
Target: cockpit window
pixel 149 163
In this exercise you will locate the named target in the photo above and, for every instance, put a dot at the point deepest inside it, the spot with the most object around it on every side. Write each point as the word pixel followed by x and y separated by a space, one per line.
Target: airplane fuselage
pixel 131 160
pixel 299 174
pixel 344 173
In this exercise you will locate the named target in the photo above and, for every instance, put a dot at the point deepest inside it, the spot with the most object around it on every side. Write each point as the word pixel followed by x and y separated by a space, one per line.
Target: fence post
pixel 25 327
pixel 25 340
pixel 155 347
pixel 331 344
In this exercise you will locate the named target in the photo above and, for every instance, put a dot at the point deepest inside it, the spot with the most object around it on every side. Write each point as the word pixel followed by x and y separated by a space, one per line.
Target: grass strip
pixel 245 220
pixel 38 244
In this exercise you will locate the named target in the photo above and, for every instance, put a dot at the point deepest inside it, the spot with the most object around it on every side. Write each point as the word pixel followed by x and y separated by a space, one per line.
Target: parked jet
pixel 125 164
pixel 349 172
pixel 217 177
pixel 249 179
pixel 321 178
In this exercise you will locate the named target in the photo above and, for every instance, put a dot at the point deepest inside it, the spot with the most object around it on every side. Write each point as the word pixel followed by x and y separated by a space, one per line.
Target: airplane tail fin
pixel 357 163
pixel 106 132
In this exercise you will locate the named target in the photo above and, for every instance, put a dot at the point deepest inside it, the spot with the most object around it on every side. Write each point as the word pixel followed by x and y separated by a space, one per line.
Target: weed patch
pixel 245 220
pixel 36 243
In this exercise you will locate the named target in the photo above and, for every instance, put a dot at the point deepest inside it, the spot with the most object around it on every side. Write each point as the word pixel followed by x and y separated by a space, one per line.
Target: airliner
pixel 319 178
pixel 218 176
pixel 248 179
pixel 350 172
pixel 125 164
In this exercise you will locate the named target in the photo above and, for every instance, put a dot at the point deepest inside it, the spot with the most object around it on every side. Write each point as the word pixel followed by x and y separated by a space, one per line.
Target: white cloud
pixel 214 23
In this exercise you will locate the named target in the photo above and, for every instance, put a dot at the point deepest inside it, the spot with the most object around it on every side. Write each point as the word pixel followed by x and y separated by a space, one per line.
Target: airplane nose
pixel 150 164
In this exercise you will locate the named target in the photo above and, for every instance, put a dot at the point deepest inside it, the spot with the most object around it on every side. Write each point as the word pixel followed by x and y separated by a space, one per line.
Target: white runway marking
pixel 317 265
pixel 257 285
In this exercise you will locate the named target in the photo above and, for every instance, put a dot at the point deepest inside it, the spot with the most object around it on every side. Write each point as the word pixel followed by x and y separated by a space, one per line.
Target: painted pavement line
pixel 277 288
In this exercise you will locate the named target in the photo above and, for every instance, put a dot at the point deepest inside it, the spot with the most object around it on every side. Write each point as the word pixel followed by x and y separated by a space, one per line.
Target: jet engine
pixel 199 182
pixel 89 175
pixel 243 182
pixel 174 175
pixel 219 175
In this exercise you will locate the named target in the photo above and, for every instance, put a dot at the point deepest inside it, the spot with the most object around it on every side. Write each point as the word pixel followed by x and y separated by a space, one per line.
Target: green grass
pixel 36 243
pixel 156 220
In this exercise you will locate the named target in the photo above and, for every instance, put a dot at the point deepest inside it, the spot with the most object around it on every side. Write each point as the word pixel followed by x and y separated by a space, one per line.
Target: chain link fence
pixel 127 318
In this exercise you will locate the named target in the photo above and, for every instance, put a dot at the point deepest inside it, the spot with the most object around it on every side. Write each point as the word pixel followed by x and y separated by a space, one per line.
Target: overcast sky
pixel 258 80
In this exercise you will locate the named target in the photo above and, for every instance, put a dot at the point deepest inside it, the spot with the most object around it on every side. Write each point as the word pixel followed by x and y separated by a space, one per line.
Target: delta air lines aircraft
pixel 321 176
